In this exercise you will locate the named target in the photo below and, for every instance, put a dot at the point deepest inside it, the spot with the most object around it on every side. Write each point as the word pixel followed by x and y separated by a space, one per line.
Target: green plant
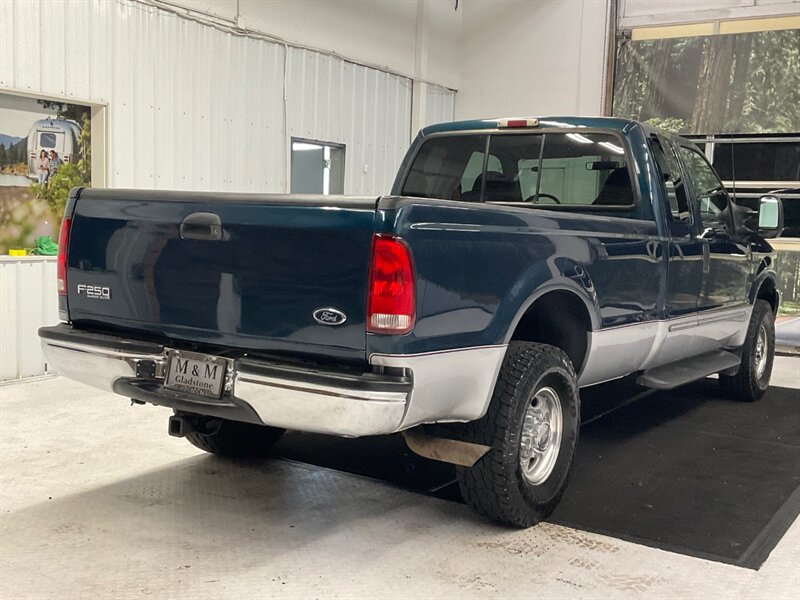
pixel 56 190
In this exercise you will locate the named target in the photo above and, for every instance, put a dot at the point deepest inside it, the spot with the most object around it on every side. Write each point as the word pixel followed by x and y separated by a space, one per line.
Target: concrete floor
pixel 96 500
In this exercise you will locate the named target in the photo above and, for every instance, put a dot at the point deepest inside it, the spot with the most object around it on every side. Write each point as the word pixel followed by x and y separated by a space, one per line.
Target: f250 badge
pixel 329 316
pixel 94 292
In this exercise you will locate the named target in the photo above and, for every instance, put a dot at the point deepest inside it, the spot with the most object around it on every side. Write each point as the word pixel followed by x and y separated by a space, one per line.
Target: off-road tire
pixel 747 385
pixel 233 439
pixel 495 486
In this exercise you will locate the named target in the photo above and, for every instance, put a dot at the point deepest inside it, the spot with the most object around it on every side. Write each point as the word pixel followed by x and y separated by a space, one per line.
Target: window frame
pixel 678 227
pixel 49 133
pixel 489 133
pixel 694 197
pixel 301 140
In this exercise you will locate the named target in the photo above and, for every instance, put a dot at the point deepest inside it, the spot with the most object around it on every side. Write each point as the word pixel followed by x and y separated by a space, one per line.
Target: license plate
pixel 195 373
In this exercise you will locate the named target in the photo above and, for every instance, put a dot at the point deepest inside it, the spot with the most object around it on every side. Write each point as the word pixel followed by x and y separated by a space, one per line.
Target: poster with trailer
pixel 45 150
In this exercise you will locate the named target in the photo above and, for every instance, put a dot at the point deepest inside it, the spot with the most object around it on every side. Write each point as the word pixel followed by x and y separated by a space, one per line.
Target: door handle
pixel 201 226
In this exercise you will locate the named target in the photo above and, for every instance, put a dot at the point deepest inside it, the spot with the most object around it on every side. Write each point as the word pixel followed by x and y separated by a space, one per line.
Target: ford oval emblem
pixel 329 316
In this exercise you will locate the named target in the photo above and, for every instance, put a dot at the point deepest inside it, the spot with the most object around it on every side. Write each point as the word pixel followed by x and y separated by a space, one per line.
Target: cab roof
pixel 622 125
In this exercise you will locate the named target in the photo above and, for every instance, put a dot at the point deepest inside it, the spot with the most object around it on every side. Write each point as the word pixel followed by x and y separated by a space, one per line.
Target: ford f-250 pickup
pixel 516 261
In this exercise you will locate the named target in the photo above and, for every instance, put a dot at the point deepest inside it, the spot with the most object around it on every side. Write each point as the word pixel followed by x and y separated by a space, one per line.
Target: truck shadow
pixel 610 412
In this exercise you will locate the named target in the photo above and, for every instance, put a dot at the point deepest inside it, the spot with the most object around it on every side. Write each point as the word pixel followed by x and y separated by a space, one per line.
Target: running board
pixel 689 369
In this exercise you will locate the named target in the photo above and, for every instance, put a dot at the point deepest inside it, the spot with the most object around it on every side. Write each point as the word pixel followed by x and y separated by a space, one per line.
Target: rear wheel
pixel 532 429
pixel 233 439
pixel 758 353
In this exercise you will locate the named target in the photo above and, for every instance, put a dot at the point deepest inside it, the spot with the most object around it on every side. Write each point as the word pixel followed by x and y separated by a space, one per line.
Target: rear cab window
pixel 448 167
pixel 559 169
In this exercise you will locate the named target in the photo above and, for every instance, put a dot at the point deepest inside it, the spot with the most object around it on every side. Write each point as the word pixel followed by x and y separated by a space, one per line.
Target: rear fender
pixel 572 278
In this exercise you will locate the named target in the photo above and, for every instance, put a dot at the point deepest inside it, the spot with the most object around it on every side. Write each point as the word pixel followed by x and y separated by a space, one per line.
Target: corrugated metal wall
pixel 28 300
pixel 367 110
pixel 194 107
pixel 439 104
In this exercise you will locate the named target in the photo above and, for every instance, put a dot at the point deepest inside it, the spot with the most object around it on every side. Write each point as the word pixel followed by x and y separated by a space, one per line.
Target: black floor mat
pixel 683 470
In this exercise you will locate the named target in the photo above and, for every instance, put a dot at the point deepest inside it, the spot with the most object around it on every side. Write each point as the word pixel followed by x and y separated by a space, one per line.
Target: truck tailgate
pixel 238 270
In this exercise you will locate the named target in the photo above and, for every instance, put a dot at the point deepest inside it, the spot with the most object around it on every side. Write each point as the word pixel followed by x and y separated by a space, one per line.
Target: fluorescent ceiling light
pixel 579 138
pixel 558 124
pixel 613 147
pixel 300 146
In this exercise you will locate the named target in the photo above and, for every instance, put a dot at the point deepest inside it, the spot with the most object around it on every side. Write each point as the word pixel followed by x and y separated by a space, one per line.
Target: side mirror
pixel 770 216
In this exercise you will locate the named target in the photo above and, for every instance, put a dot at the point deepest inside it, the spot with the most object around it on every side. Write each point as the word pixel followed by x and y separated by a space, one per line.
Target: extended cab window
pixel 712 199
pixel 569 169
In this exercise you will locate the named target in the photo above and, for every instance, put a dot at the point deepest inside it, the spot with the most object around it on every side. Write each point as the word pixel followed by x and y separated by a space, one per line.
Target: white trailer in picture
pixel 60 135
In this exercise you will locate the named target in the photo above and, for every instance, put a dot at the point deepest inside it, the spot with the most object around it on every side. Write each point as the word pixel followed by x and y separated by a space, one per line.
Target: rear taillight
pixel 61 264
pixel 391 298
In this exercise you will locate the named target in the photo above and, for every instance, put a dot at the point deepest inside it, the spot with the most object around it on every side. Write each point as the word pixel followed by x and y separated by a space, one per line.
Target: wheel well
pixel 768 292
pixel 560 319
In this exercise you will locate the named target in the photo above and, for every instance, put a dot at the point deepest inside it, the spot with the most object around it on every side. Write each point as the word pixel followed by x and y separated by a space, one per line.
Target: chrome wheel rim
pixel 760 354
pixel 540 439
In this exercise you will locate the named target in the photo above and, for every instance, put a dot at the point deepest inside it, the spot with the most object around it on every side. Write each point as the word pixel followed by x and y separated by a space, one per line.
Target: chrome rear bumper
pixel 260 392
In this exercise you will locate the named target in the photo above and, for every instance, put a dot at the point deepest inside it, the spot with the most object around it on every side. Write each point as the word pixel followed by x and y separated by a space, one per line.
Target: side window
pixel 712 199
pixel 672 179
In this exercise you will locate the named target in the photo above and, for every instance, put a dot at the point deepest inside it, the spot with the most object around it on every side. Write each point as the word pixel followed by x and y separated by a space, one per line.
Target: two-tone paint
pixel 646 291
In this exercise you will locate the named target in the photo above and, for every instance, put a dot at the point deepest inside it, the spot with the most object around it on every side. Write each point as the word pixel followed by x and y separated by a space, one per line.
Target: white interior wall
pixel 543 57
pixel 505 57
pixel 377 32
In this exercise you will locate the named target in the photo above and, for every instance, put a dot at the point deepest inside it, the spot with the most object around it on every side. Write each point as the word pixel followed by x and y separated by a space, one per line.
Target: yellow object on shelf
pixel 17 252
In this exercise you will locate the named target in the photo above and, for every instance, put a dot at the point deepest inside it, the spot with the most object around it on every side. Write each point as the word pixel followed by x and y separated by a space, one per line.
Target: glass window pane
pixel 47 140
pixel 447 167
pixel 512 178
pixel 317 168
pixel 758 161
pixel 712 198
pixel 670 173
pixel 574 169
pixel 584 169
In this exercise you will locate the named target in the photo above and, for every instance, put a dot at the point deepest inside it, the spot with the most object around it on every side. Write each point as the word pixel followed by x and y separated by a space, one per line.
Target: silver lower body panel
pixel 619 351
